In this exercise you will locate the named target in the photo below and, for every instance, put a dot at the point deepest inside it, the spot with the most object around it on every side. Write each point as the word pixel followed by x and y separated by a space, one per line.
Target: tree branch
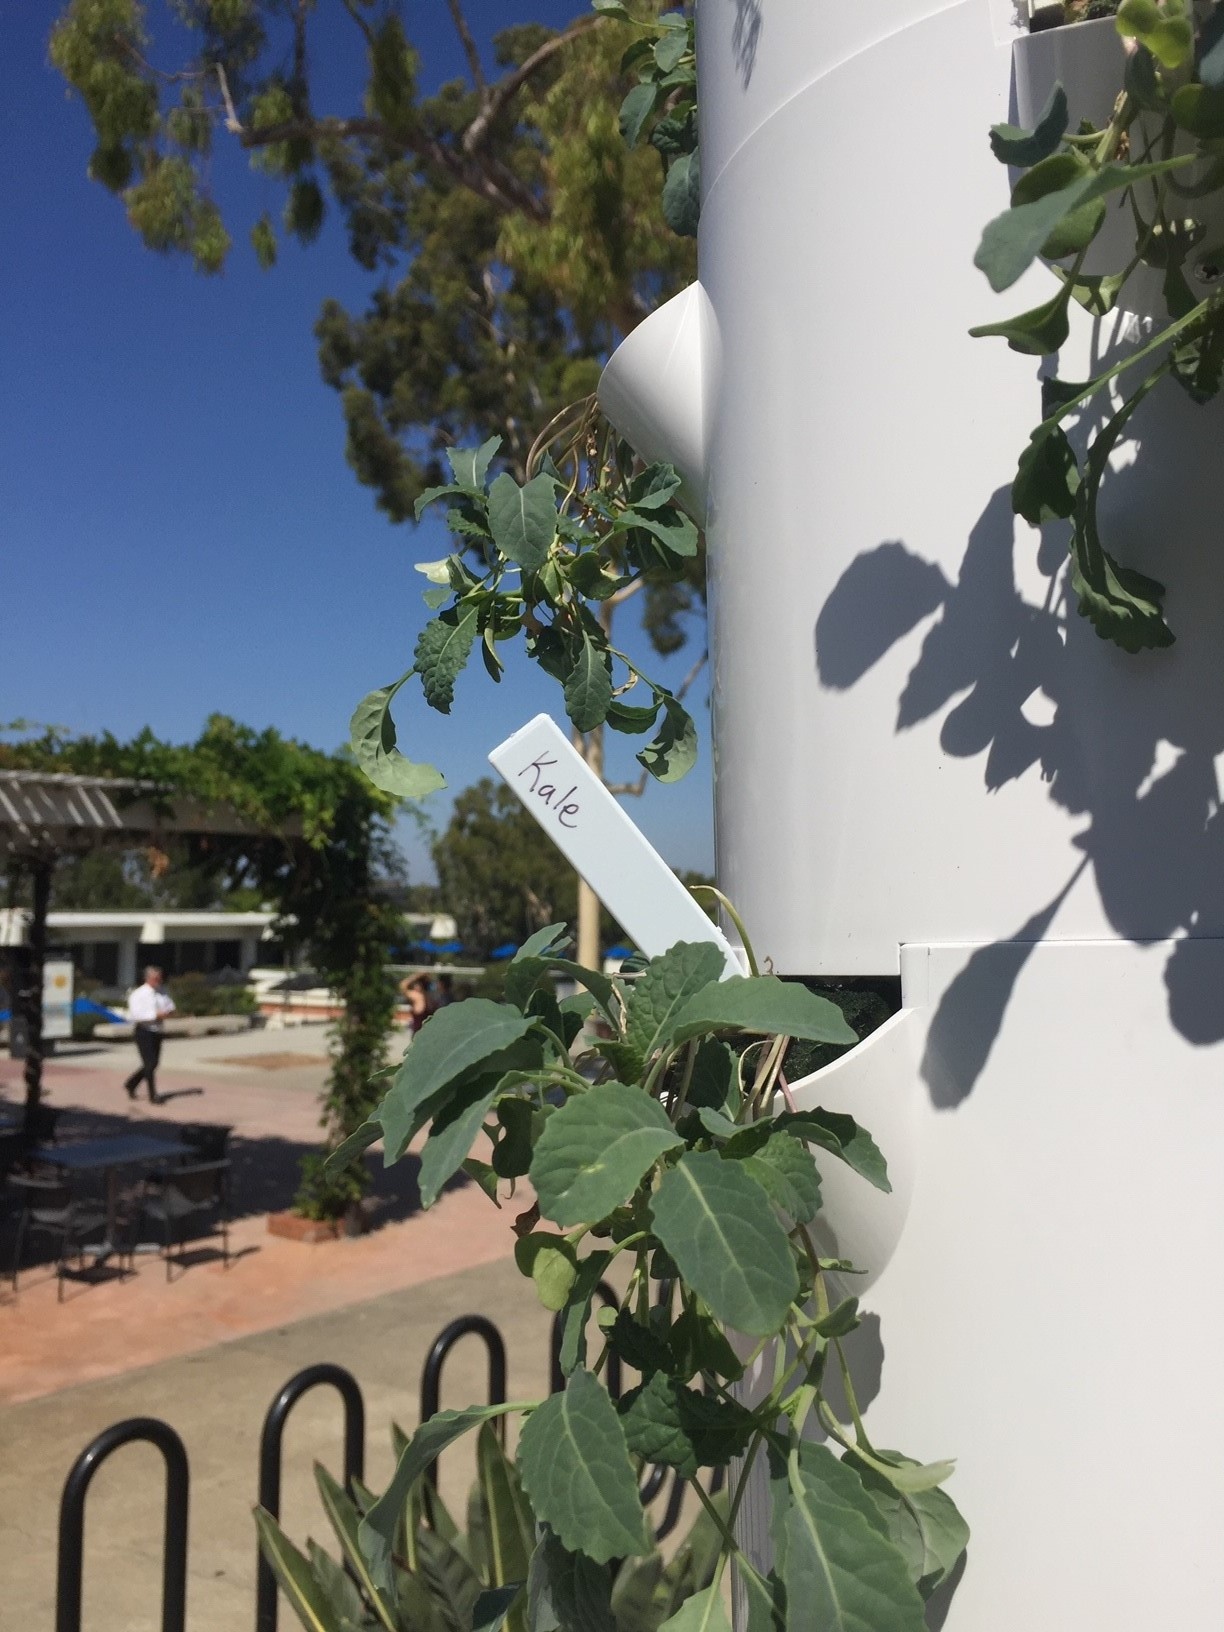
pixel 232 122
pixel 631 790
pixel 351 8
pixel 686 684
pixel 508 88
pixel 495 184
pixel 468 43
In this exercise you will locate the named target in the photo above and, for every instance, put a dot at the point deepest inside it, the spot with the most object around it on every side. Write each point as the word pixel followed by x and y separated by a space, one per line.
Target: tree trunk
pixel 30 993
pixel 591 748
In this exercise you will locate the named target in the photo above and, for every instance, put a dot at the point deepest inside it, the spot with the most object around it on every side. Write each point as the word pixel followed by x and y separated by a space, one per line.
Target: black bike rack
pixel 270 1453
pixel 72 1520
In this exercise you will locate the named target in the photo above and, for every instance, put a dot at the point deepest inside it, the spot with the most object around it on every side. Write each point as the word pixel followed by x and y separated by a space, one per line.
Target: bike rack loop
pixel 270 1448
pixel 72 1520
pixel 431 1377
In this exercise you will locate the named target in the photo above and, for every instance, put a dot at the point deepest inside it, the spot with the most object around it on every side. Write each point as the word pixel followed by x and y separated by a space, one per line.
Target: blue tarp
pixel 81 1005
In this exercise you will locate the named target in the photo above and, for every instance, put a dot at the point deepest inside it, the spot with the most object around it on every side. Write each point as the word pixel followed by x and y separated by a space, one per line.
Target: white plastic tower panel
pixel 1050 1315
pixel 926 762
pixel 912 724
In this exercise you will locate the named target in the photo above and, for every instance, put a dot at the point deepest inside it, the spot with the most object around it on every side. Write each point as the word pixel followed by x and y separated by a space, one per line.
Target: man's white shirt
pixel 148 1005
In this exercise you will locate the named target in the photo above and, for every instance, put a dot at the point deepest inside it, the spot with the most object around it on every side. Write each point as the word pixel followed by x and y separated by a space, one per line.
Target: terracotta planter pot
pixel 293 1227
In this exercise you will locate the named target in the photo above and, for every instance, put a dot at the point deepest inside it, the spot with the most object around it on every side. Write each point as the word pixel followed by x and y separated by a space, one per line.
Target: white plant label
pixel 597 838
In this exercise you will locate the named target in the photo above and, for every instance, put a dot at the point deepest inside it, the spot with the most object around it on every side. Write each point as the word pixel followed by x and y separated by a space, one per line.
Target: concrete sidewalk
pixel 216 1399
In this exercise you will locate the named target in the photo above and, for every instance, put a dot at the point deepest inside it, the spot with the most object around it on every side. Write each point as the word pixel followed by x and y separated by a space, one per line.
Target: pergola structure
pixel 47 815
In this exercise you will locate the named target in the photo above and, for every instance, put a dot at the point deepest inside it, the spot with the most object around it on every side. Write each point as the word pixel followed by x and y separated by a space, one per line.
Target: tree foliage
pixel 526 238
pixel 320 848
pixel 499 874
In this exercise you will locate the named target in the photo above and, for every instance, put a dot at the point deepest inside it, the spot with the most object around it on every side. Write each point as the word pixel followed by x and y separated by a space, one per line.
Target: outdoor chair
pixel 208 1140
pixel 189 1202
pixel 54 1206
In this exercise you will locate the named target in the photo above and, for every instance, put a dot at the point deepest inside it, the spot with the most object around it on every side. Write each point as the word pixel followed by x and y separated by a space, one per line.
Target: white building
pixel 113 946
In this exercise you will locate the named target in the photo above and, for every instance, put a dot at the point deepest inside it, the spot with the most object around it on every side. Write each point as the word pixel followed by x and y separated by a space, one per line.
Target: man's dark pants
pixel 149 1043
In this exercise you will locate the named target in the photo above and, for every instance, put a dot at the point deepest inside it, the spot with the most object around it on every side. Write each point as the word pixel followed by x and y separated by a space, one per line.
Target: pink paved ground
pixel 108 1326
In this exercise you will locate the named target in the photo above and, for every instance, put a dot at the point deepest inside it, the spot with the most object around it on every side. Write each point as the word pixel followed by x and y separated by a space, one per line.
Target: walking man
pixel 148 1006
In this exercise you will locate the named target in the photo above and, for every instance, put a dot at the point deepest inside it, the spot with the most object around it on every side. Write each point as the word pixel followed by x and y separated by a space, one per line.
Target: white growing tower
pixel 927 765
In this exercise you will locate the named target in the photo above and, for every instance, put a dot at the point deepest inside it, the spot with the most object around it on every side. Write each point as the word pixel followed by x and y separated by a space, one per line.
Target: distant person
pixel 148 1007
pixel 443 991
pixel 416 992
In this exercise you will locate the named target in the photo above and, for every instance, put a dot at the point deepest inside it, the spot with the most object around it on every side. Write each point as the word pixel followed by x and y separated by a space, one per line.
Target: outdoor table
pixel 109 1156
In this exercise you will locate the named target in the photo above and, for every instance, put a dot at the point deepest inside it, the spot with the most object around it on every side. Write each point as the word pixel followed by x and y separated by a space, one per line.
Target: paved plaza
pixel 208 1351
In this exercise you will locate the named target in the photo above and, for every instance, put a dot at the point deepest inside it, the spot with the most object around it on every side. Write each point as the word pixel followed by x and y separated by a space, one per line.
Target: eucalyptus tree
pixel 516 235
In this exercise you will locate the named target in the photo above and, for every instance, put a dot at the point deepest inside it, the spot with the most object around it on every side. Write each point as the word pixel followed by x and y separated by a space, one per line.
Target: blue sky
pixel 179 531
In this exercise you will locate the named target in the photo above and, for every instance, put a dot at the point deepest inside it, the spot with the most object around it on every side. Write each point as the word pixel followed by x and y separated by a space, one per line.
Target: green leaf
pixel 1012 145
pixel 1097 294
pixel 840 1563
pixel 450 1576
pixel 718 1225
pixel 1076 229
pixel 765 1005
pixel 666 985
pixel 595 1151
pixel 552 938
pixel 673 529
pixel 1058 394
pixel 716 1123
pixel 635 110
pixel 669 49
pixel 348 1150
pixel 442 649
pixel 450 1043
pixel 682 195
pixel 575 1468
pixel 1035 333
pixel 632 721
pixel 839 1322
pixel 294 1575
pixel 715 1081
pixel 345 1521
pixel 641 1347
pixel 567 1592
pixel 1013 240
pixel 1169 36
pixel 470 466
pixel 346 1611
pixel 841 1135
pixel 431 495
pixel 493 1606
pixel 924 1526
pixel 572 1350
pixel 372 739
pixel 703 1612
pixel 786 1171
pixel 588 686
pixel 666 1422
pixel 523 520
pixel 1123 605
pixel 454 1132
pixel 673 752
pixel 511 1523
pixel 1047 478
pixel 377 1530
pixel 551 1263
pixel 699 1344
pixel 525 973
